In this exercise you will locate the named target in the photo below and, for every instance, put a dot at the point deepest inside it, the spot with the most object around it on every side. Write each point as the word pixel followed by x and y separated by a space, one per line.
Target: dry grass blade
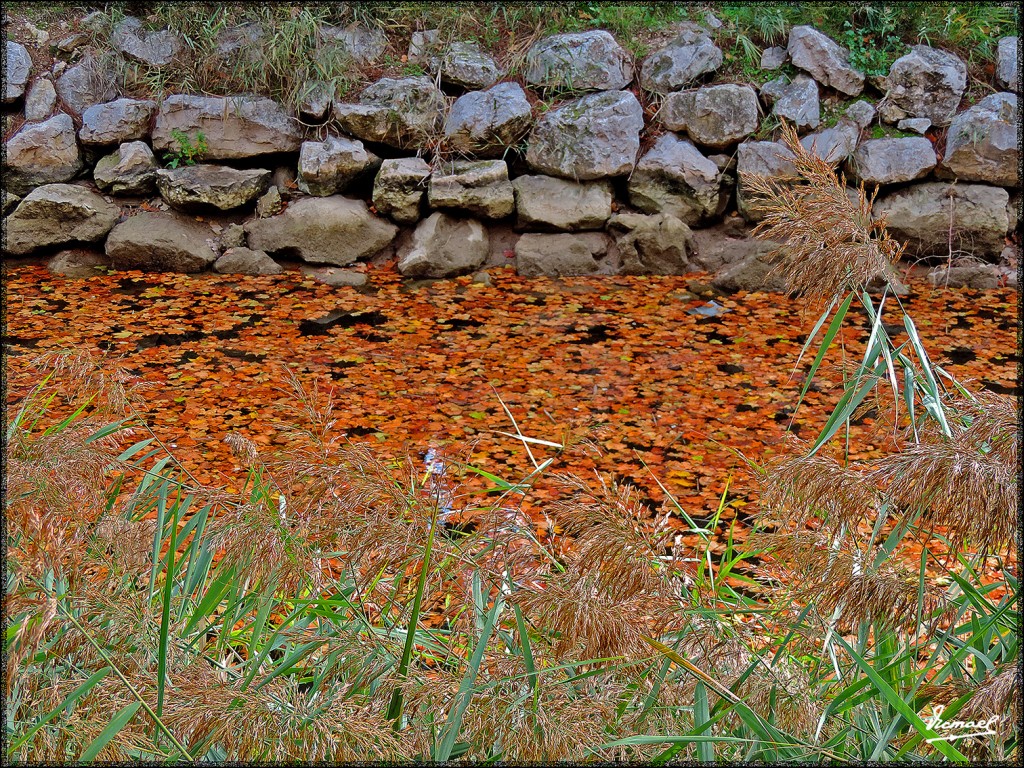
pixel 831 243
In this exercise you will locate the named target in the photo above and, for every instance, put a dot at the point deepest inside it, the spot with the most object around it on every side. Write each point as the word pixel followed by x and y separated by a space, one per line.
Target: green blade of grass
pixel 701 720
pixel 70 699
pixel 114 727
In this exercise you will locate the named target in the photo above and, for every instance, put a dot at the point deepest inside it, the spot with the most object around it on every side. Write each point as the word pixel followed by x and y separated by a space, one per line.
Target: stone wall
pixel 464 169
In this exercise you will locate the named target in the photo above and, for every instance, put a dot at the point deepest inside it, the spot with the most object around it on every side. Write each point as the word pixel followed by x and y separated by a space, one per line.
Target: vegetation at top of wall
pixel 334 609
pixel 875 33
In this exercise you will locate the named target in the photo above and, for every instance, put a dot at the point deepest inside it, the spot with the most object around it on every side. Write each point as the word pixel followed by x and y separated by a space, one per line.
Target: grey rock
pixel 361 45
pixel 682 61
pixel 9 201
pixel 331 166
pixel 243 41
pixel 483 278
pixel 919 125
pixel 443 246
pixel 833 145
pixel 892 161
pixel 592 137
pixel 340 278
pixel 327 230
pixel 544 202
pixel 89 82
pixel 799 103
pixel 198 187
pixel 42 153
pixel 423 45
pixel 315 100
pixel 768 159
pixel 17 68
pixel 983 277
pixel 754 273
pixel 652 245
pixel 399 112
pixel 78 263
pixel 116 122
pixel 555 255
pixel 487 123
pixel 400 187
pixel 920 216
pixel 269 203
pixel 57 214
pixel 982 143
pixel 773 90
pixel 861 112
pixel 1007 72
pixel 72 42
pixel 233 236
pixel 726 244
pixel 234 127
pixel 97 21
pixel 40 100
pixel 824 60
pixel 481 188
pixel 579 61
pixel 716 116
pixel 773 58
pixel 925 83
pixel 464 65
pixel 130 170
pixel 242 261
pixel 675 178
pixel 156 49
pixel 161 242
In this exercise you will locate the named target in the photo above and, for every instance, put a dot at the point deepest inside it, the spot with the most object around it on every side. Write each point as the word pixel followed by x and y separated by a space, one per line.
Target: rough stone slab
pixel 833 145
pixel 545 202
pixel 682 61
pixel 1007 63
pixel 89 82
pixel 824 60
pixel 155 49
pixel 58 214
pixel 481 188
pixel 40 100
pixel 926 82
pixel 400 187
pixel 326 230
pixel 861 112
pixel 675 178
pixel 161 242
pixel 399 112
pixel 652 245
pixel 892 161
pixel 444 246
pixel 243 261
pixel 555 255
pixel 17 68
pixel 116 122
pixel 799 103
pixel 331 166
pixel 596 136
pixel 78 263
pixel 234 127
pixel 213 186
pixel 769 159
pixel 42 153
pixel 488 123
pixel 717 116
pixel 131 170
pixel 982 142
pixel 464 65
pixel 579 61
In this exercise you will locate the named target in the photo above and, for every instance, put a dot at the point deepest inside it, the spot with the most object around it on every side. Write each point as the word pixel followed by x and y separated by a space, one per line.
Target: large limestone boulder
pixel 131 170
pixel 401 112
pixel 91 81
pixel 58 214
pixel 331 166
pixel 488 123
pixel 892 161
pixel 328 230
pixel 675 178
pixel 479 188
pixel 155 49
pixel 824 60
pixel 116 122
pixel 78 263
pixel 199 187
pixel 399 188
pixel 17 68
pixel 544 202
pixel 593 137
pixel 768 159
pixel 315 99
pixel 579 61
pixel 42 153
pixel 1007 71
pixel 682 61
pixel 754 273
pixel 799 103
pixel 835 144
pixel 559 255
pixel 234 127
pixel 464 65
pixel 925 83
pixel 443 246
pixel 40 100
pixel 715 117
pixel 982 142
pixel 927 216
pixel 980 277
pixel 161 242
pixel 652 245
pixel 243 261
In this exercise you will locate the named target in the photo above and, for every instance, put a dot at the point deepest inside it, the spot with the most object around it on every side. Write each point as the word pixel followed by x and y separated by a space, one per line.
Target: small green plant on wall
pixel 188 150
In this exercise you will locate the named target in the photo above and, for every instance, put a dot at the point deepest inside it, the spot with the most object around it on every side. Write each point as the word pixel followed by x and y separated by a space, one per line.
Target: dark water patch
pixel 319 326
pixel 241 354
pixel 457 323
pixel 999 389
pixel 961 355
pixel 167 339
pixel 17 341
pixel 730 368
pixel 132 286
